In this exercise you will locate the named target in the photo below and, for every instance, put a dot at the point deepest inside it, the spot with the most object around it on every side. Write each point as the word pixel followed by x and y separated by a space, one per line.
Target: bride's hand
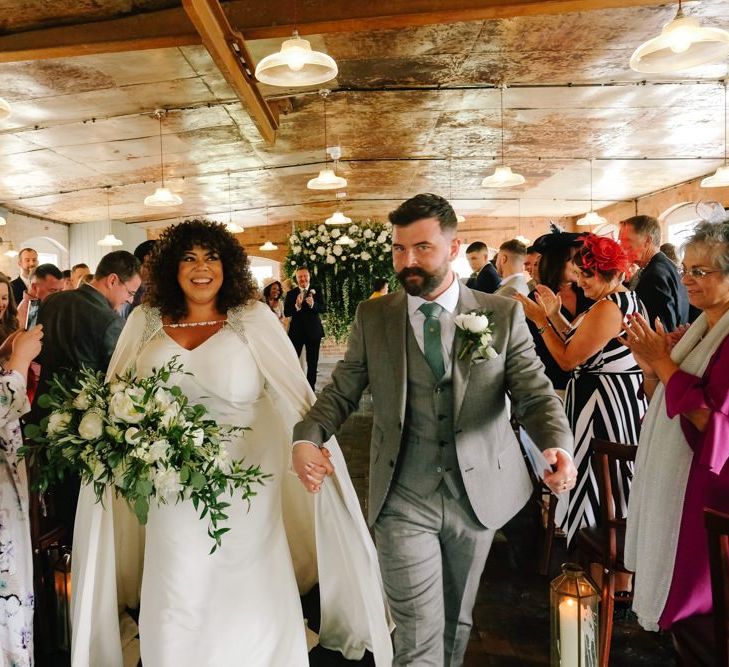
pixel 311 465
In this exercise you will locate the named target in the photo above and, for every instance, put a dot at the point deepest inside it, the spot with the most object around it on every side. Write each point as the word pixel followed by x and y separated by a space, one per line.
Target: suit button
pixel 438 390
pixel 439 469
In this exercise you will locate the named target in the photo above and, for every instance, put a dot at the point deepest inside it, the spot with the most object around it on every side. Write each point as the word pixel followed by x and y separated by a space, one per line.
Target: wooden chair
pixel 605 543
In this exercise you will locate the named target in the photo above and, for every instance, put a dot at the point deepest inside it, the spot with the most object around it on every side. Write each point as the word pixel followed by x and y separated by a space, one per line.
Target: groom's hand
pixel 564 474
pixel 311 465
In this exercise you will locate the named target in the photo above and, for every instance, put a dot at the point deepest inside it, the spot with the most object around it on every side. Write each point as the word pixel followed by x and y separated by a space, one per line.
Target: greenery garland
pixel 344 273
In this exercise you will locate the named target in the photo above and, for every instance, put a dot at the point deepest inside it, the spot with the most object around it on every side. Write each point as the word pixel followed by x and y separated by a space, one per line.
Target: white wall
pixel 83 238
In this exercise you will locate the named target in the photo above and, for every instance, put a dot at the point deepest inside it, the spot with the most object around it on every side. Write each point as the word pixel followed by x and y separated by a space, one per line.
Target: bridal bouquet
pixel 142 438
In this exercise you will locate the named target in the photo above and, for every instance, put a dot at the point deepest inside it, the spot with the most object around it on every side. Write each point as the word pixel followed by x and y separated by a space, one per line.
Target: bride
pixel 240 605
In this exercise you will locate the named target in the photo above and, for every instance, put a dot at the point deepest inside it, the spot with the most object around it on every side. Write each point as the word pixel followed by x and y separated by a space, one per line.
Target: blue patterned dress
pixel 16 559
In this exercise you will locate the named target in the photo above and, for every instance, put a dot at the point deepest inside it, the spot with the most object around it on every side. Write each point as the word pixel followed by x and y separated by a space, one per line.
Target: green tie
pixel 431 338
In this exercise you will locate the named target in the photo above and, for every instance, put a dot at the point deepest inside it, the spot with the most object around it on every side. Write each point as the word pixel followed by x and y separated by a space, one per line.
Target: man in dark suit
pixel 304 305
pixel 485 277
pixel 27 261
pixel 81 328
pixel 659 285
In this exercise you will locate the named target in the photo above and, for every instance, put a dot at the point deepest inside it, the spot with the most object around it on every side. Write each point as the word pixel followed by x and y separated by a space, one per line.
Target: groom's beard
pixel 418 282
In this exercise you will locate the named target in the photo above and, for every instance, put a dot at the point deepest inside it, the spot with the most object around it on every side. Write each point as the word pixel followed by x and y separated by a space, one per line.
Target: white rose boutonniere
pixel 476 330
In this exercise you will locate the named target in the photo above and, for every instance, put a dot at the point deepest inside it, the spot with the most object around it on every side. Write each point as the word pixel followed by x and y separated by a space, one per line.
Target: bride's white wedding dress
pixel 239 606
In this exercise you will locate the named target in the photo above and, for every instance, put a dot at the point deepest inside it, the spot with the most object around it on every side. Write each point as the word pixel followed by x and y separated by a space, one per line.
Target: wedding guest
pixel 45 280
pixel 602 393
pixel 659 286
pixel 78 271
pixel 669 250
pixel 531 266
pixel 240 605
pixel 380 287
pixel 484 278
pixel 81 328
pixel 67 283
pixel 16 572
pixel 304 305
pixel 8 310
pixel 143 252
pixel 510 267
pixel 27 261
pixel 273 298
pixel 684 444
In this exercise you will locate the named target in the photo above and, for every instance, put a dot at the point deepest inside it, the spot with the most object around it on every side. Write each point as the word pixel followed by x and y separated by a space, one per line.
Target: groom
pixel 445 469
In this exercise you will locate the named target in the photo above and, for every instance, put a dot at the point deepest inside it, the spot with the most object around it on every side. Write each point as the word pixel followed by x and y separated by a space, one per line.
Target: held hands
pixel 311 465
pixel 564 476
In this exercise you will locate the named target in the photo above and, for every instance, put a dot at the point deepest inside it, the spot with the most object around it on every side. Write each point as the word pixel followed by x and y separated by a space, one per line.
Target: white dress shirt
pixel 448 300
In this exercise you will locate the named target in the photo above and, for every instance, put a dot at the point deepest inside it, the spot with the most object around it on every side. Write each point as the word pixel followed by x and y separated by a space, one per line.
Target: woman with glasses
pixel 684 444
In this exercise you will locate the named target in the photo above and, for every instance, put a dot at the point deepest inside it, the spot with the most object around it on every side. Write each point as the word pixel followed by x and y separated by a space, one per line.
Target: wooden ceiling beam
pixel 258 20
pixel 228 50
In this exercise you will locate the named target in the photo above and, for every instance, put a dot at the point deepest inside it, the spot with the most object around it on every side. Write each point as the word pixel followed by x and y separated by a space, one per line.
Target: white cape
pixel 327 534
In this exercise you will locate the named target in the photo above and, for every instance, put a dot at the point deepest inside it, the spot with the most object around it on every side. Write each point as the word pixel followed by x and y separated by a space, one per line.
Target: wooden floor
pixel 511 616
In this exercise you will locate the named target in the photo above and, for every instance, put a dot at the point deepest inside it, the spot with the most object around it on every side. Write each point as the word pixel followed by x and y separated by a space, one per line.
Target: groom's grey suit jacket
pixel 492 467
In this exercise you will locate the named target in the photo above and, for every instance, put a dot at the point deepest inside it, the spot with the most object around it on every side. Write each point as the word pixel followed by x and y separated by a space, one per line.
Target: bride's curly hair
pixel 162 289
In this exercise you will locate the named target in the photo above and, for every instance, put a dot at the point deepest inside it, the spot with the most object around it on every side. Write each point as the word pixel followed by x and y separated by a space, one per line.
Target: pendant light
pixel 720 178
pixel 232 227
pixel 591 218
pixel 5 109
pixel 162 196
pixel 109 241
pixel 296 64
pixel 338 218
pixel 327 178
pixel 344 240
pixel 682 44
pixel 459 217
pixel 3 221
pixel 502 177
pixel 11 251
pixel 268 246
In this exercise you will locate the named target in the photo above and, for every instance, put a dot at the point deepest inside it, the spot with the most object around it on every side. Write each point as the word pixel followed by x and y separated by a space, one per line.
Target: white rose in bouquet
pixel 117 386
pixel 132 436
pixel 297 249
pixel 158 450
pixel 163 399
pixel 368 233
pixel 91 426
pixel 82 401
pixel 331 259
pixel 167 483
pixel 223 460
pixel 337 250
pixel 58 421
pixel 321 250
pixel 336 233
pixel 366 256
pixel 122 409
pixel 472 322
pixel 170 415
pixel 198 437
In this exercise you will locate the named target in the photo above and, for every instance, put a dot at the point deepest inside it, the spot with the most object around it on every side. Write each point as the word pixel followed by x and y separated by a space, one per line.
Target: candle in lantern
pixel 569 633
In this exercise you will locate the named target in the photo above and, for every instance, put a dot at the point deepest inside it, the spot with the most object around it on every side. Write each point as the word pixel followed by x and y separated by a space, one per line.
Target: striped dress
pixel 602 402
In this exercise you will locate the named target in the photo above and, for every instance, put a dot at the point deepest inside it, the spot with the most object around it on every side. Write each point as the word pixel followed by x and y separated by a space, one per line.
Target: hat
pixel 556 239
pixel 269 281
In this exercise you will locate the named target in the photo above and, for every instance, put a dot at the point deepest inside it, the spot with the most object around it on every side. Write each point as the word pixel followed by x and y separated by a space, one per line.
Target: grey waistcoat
pixel 428 452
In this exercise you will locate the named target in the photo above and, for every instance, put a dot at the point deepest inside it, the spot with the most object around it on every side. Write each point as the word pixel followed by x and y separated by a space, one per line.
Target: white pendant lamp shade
pixel 720 179
pixel 296 64
pixel 3 221
pixel 268 247
pixel 11 252
pixel 502 177
pixel 163 197
pixel 344 240
pixel 460 218
pixel 327 180
pixel 682 44
pixel 591 219
pixel 109 241
pixel 338 218
pixel 5 110
pixel 234 228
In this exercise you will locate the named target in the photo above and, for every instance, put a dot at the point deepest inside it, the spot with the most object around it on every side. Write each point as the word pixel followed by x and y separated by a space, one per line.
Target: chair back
pixel 717 529
pixel 609 460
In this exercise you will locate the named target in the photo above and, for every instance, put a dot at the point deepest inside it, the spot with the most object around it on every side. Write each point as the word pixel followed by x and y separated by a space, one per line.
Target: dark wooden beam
pixel 274 18
pixel 228 50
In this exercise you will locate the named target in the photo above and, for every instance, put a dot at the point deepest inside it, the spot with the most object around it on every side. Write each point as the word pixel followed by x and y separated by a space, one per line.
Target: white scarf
pixel 662 468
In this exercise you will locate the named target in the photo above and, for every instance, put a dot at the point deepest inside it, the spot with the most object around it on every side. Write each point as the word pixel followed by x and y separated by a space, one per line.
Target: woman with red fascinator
pixel 603 390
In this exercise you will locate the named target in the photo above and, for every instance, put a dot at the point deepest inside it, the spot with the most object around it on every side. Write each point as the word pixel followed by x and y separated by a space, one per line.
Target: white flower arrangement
pixel 142 438
pixel 476 331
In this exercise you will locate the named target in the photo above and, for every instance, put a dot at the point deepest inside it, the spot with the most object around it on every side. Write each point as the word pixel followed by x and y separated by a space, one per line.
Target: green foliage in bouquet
pixel 141 438
pixel 344 273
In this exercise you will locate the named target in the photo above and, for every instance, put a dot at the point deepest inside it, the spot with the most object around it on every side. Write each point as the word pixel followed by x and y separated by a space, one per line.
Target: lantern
pixel 62 588
pixel 574 603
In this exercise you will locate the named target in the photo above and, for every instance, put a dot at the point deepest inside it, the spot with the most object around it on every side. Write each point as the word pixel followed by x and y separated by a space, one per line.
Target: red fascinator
pixel 601 253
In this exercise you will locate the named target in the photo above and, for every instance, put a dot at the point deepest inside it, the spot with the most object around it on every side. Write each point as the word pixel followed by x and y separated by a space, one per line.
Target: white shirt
pixel 448 300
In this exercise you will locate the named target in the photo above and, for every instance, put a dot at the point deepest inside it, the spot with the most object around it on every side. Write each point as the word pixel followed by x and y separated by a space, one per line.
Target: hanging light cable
pixel 720 178
pixel 109 241
pixel 591 218
pixel 327 178
pixel 683 43
pixel 162 196
pixel 268 246
pixel 502 177
pixel 459 217
pixel 232 227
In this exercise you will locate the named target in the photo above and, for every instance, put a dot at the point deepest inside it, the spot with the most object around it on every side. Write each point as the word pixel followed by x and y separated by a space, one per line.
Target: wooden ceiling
pixel 416 107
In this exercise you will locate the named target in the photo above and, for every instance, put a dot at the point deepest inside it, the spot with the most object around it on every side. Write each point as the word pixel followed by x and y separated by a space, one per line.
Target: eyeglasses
pixel 129 292
pixel 695 272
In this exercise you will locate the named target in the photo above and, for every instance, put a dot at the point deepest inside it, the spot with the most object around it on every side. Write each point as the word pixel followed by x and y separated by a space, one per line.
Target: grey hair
pixel 714 236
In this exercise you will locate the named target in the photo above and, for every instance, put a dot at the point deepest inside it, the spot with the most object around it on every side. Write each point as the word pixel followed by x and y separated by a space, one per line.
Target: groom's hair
pixel 122 263
pixel 424 206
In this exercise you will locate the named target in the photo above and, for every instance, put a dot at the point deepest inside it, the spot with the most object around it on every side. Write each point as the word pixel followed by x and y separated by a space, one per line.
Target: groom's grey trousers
pixel 432 549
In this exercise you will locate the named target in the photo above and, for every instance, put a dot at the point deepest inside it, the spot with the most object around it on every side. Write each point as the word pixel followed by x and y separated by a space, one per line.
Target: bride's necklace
pixel 185 325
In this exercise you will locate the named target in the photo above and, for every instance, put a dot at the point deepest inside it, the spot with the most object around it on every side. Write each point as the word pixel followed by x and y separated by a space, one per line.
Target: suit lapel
pixel 395 324
pixel 461 367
